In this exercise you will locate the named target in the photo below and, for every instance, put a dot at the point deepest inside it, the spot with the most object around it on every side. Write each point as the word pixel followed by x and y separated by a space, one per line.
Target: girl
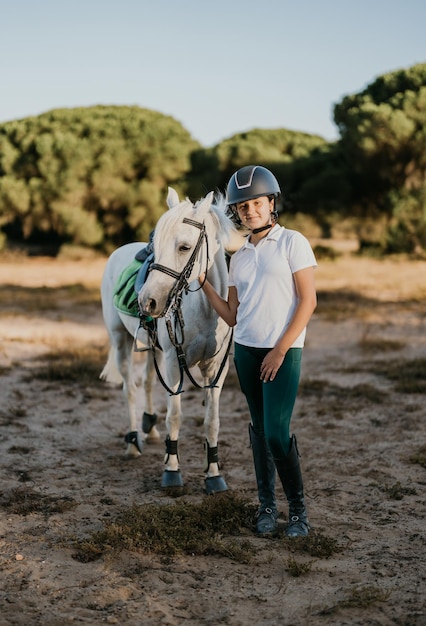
pixel 271 298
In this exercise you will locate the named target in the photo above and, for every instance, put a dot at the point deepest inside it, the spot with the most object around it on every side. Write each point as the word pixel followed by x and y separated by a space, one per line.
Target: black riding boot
pixel 266 518
pixel 290 475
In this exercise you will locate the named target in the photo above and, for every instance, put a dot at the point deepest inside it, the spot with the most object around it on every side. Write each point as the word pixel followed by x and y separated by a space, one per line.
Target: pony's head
pixel 187 240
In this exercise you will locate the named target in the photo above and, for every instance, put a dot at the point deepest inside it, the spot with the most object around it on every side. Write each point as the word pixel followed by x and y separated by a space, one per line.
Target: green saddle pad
pixel 125 297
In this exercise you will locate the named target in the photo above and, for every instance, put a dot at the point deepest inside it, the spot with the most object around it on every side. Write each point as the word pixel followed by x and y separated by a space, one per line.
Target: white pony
pixel 189 239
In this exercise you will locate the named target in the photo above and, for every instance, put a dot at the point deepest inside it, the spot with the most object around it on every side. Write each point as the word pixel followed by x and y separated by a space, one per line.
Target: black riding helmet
pixel 251 181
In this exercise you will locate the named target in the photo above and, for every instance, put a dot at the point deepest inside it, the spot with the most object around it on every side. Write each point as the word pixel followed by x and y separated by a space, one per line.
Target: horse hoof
pixel 154 435
pixel 132 452
pixel 135 443
pixel 172 479
pixel 215 484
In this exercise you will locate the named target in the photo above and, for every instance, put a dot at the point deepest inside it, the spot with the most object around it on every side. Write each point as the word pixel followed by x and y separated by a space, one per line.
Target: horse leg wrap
pixel 171 448
pixel 213 484
pixel 148 422
pixel 211 455
pixel 171 478
pixel 134 438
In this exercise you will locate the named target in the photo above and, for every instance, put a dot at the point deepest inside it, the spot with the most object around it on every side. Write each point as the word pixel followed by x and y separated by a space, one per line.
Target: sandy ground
pixel 358 433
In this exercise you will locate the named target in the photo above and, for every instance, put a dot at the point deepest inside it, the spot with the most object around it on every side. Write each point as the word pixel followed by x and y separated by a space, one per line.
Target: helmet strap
pixel 261 229
pixel 267 226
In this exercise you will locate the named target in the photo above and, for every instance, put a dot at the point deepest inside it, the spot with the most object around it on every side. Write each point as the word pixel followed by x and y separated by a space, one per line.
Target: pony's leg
pixel 149 418
pixel 172 476
pixel 122 348
pixel 123 343
pixel 214 482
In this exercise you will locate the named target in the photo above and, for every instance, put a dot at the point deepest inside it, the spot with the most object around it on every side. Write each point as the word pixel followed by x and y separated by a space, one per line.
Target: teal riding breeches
pixel 270 404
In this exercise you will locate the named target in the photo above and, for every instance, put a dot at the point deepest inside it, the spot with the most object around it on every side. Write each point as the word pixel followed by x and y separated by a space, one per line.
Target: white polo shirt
pixel 263 277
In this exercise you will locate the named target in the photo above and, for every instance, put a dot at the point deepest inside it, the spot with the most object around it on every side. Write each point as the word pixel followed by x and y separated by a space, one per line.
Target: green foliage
pixel 305 166
pixel 315 544
pixel 363 597
pixel 296 568
pixel 182 528
pixel 26 501
pixel 406 230
pixel 407 376
pixel 397 491
pixel 97 177
pixel 274 148
pixel 93 176
pixel 318 185
pixel 383 140
pixel 80 364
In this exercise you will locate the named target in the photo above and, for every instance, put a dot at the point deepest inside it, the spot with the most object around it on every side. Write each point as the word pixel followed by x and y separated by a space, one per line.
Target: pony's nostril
pixel 150 305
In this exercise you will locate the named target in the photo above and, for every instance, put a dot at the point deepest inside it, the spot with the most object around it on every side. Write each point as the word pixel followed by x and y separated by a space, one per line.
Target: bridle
pixel 181 285
pixel 172 313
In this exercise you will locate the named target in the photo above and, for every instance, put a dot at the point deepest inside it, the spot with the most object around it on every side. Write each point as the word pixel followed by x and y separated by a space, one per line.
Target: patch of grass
pixel 367 392
pixel 397 491
pixel 296 569
pixel 24 500
pixel 363 391
pixel 315 544
pixel 377 346
pixel 343 304
pixel 358 598
pixel 314 386
pixel 81 364
pixel 179 528
pixel 363 597
pixel 419 457
pixel 14 298
pixel 21 450
pixel 409 376
pixel 10 415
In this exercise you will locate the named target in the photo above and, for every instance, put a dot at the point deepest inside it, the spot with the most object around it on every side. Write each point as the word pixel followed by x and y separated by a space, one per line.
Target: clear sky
pixel 217 66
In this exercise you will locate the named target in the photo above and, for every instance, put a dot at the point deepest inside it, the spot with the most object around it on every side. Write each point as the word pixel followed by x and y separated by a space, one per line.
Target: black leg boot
pixel 266 519
pixel 290 475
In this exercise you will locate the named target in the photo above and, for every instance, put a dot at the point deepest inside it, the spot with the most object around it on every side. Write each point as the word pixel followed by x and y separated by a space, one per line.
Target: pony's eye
pixel 184 248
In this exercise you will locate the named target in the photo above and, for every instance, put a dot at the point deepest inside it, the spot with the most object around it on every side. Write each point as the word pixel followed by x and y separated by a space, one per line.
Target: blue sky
pixel 218 67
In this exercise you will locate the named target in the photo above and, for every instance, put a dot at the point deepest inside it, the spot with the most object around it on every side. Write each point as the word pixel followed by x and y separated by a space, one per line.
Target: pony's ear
pixel 203 205
pixel 172 198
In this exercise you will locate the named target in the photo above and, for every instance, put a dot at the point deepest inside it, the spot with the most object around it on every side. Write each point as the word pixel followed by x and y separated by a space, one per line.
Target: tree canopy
pixel 98 176
pixel 383 141
pixel 92 176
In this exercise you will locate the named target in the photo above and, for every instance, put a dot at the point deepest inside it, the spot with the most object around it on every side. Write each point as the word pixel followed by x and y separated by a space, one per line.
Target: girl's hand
pixel 270 365
pixel 202 278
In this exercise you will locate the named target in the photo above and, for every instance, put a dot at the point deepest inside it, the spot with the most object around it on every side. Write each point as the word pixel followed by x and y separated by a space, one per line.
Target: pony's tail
pixel 110 373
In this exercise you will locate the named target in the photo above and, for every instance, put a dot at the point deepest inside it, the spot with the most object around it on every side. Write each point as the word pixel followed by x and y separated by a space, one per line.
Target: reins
pixel 172 314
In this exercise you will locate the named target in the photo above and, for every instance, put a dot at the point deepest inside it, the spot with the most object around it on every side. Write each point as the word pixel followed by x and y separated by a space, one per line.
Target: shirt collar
pixel 273 234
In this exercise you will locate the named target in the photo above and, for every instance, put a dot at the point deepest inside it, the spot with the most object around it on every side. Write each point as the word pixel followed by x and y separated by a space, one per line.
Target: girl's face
pixel 255 213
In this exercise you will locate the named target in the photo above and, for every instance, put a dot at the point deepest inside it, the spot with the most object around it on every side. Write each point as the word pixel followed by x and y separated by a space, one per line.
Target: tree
pixel 93 176
pixel 383 140
pixel 276 149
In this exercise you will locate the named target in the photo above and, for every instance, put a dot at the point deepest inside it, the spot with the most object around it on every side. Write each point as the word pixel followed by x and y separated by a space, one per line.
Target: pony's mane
pixel 167 223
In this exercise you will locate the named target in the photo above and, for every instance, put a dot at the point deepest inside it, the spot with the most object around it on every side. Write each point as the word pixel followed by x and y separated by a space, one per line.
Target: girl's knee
pixel 277 446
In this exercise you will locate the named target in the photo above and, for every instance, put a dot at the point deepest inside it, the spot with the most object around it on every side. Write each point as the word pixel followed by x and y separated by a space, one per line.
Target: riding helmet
pixel 251 181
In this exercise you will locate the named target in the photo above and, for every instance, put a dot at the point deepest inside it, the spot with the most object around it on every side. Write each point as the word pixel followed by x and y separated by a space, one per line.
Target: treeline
pixel 97 177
